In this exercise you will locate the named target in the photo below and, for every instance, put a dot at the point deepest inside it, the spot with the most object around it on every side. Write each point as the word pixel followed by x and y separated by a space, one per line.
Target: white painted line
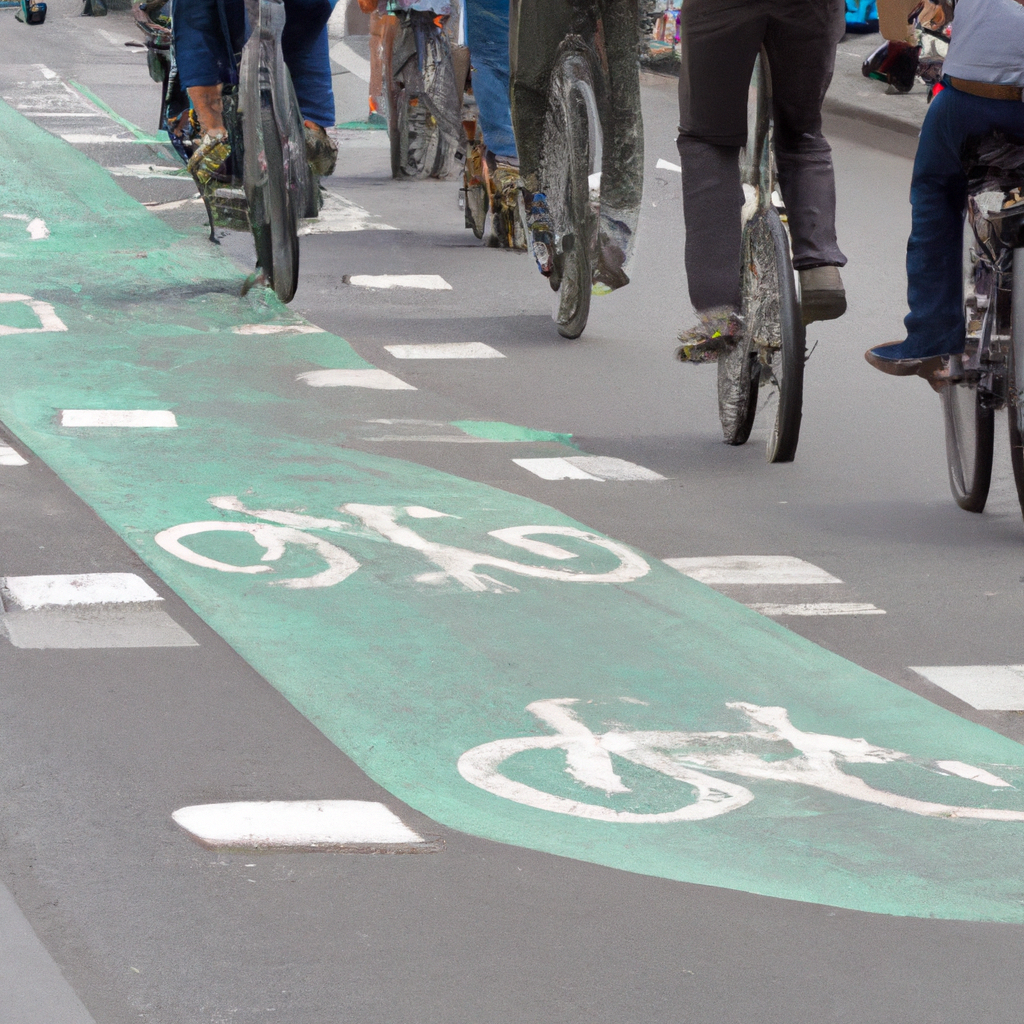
pixel 49 322
pixel 86 139
pixel 164 171
pixel 349 59
pixel 419 512
pixel 380 380
pixel 31 592
pixel 9 457
pixel 822 608
pixel 37 229
pixel 45 71
pixel 555 469
pixel 117 418
pixel 94 114
pixel 752 570
pixel 969 771
pixel 446 350
pixel 296 824
pixel 277 329
pixel 94 628
pixel 607 468
pixel 430 282
pixel 985 687
pixel 341 214
pixel 664 165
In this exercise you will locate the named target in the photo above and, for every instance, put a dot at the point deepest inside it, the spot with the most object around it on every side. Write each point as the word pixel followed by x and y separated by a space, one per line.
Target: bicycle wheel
pixel 281 212
pixel 568 162
pixel 970 433
pixel 786 365
pixel 1015 376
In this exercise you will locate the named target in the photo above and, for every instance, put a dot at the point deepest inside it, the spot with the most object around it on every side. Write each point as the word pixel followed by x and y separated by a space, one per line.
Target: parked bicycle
pixel 989 376
pixel 771 352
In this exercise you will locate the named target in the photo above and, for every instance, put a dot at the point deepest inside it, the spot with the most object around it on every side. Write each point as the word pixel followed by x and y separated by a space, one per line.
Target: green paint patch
pixel 493 431
pixel 159 138
pixel 487 659
pixel 362 126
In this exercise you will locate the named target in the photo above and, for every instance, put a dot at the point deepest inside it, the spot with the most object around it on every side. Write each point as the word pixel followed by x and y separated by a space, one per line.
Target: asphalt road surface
pixel 178 673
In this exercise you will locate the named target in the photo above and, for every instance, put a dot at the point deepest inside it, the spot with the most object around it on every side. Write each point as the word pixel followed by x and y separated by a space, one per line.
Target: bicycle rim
pixel 970 433
pixel 1015 376
pixel 787 361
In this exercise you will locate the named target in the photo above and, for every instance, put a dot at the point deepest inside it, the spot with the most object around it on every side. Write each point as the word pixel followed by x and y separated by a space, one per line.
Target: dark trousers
pixel 938 195
pixel 536 30
pixel 720 41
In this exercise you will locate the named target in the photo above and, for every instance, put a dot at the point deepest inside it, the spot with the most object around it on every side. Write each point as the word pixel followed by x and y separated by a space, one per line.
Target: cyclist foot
pixel 321 151
pixel 507 230
pixel 612 252
pixel 822 295
pixel 714 332
pixel 208 162
pixel 888 359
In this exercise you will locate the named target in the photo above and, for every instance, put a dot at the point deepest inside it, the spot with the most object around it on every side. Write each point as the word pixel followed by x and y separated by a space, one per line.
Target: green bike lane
pixel 416 651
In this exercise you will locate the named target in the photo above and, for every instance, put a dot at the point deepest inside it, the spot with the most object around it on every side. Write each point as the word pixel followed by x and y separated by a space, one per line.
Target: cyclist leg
pixel 720 42
pixel 487 26
pixel 801 43
pixel 305 46
pixel 938 195
pixel 536 29
pixel 207 35
pixel 622 171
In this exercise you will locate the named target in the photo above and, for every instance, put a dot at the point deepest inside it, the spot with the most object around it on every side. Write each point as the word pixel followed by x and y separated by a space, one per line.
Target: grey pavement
pixel 97 748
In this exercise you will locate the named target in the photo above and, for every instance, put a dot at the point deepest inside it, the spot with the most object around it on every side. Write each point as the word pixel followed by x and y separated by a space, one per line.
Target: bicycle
pixel 772 349
pixel 570 175
pixel 772 749
pixel 277 528
pixel 424 104
pixel 989 376
pixel 269 185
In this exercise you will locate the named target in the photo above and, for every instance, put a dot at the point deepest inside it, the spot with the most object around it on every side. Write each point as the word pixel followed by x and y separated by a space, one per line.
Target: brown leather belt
pixel 988 90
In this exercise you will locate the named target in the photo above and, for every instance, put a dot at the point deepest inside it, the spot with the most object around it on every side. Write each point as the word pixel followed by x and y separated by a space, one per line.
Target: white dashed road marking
pixel 33 592
pixel 664 165
pixel 751 570
pixel 380 380
pixel 448 350
pixel 117 418
pixel 356 825
pixel 9 457
pixel 984 687
pixel 277 329
pixel 430 282
pixel 752 578
pixel 86 611
pixel 822 608
pixel 587 467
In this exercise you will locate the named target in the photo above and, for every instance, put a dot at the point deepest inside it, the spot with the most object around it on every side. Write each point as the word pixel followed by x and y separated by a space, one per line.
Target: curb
pixel 841 108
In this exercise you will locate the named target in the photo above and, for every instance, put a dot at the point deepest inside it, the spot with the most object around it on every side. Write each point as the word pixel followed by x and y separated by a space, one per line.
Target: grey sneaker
pixel 822 295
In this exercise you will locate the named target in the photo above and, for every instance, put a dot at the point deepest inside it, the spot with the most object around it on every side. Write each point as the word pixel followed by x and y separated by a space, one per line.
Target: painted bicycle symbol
pixel 275 530
pixel 772 749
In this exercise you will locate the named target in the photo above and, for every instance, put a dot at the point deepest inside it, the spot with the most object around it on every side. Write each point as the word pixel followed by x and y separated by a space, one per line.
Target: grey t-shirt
pixel 987 44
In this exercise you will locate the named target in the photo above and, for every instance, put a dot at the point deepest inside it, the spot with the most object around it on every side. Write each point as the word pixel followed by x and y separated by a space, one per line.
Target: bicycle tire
pixel 281 211
pixel 1015 376
pixel 970 436
pixel 789 359
pixel 738 365
pixel 565 174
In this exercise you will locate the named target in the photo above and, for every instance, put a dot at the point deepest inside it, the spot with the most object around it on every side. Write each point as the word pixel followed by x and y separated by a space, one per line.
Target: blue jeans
pixel 487 31
pixel 208 34
pixel 938 195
